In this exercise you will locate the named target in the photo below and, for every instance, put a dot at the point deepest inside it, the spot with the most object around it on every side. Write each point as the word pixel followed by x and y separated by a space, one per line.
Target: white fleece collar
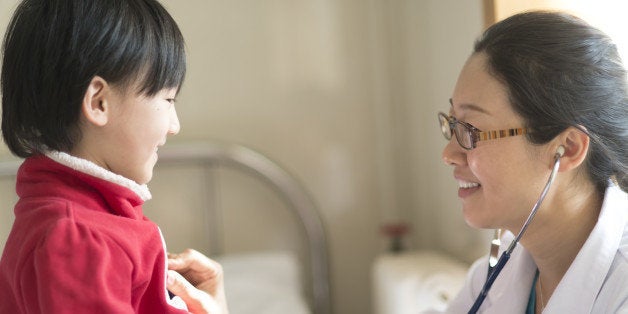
pixel 92 169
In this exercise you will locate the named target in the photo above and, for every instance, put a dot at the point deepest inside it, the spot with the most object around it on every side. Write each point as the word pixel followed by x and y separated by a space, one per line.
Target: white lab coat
pixel 596 281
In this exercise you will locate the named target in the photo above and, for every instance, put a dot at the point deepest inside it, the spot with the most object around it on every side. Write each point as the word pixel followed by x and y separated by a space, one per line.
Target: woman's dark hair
pixel 53 49
pixel 561 72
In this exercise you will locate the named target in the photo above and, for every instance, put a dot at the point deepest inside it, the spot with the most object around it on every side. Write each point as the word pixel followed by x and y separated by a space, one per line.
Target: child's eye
pixel 172 101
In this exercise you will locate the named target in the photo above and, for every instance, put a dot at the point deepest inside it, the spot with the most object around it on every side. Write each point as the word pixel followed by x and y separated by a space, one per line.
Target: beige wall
pixel 432 39
pixel 344 94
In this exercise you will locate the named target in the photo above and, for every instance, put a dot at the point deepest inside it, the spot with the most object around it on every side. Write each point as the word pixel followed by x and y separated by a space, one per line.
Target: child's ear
pixel 576 144
pixel 95 107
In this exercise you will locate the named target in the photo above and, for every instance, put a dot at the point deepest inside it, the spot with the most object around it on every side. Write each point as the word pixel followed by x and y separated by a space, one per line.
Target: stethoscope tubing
pixel 503 259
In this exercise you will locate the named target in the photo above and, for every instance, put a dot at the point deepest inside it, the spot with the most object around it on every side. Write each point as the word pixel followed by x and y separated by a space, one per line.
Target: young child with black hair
pixel 88 93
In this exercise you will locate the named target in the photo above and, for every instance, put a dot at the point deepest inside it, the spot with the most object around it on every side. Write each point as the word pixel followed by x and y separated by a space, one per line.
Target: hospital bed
pixel 201 192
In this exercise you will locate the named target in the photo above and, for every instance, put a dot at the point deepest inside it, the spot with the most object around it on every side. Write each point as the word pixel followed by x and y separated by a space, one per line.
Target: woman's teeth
pixel 467 185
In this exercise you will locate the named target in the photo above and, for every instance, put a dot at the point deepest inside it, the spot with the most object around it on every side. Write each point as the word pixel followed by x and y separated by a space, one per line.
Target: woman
pixel 550 83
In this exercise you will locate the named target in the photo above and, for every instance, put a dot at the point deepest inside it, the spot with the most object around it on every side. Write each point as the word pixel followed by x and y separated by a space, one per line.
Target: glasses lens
pixel 464 136
pixel 444 126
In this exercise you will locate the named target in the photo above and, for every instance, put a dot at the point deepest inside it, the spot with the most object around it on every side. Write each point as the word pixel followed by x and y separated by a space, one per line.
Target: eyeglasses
pixel 468 135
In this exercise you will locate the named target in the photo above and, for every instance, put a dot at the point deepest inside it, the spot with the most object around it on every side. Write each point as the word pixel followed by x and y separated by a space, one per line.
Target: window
pixel 607 15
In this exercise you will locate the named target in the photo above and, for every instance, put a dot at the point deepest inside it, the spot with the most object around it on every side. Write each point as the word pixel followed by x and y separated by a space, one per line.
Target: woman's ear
pixel 576 145
pixel 95 107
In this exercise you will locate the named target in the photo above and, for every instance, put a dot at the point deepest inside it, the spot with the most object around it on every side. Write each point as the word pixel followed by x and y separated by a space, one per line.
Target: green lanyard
pixel 532 299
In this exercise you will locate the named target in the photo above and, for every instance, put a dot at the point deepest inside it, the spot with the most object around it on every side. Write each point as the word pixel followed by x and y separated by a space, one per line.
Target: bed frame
pixel 212 154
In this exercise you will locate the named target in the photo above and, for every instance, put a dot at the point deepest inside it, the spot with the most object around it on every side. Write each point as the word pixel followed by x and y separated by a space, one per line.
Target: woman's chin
pixel 475 221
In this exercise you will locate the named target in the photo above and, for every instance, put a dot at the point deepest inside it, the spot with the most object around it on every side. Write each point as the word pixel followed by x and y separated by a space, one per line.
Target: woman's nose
pixel 453 153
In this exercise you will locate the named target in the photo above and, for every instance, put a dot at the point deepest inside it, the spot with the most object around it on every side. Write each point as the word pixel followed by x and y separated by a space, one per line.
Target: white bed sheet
pixel 263 283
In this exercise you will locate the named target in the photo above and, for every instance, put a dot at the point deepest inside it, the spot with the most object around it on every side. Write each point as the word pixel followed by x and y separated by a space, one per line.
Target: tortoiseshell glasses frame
pixel 468 135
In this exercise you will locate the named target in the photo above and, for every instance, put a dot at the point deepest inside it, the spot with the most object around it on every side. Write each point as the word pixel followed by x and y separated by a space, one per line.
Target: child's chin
pixel 146 178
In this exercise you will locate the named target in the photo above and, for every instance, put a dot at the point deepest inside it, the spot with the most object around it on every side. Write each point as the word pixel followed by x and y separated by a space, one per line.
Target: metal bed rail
pixel 282 182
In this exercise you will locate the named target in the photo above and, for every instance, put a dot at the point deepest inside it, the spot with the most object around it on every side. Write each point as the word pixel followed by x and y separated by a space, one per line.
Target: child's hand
pixel 197 280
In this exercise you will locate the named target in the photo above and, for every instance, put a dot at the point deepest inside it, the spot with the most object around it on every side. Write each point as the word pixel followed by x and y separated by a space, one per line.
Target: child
pixel 88 89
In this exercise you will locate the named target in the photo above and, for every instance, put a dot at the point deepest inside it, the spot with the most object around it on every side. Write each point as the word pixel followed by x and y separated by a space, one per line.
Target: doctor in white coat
pixel 535 82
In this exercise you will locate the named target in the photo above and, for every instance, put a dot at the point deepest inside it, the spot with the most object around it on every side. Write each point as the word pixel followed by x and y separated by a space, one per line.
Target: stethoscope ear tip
pixel 560 151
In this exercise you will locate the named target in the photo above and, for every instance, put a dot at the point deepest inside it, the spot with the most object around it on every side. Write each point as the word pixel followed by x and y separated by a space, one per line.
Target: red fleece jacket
pixel 80 244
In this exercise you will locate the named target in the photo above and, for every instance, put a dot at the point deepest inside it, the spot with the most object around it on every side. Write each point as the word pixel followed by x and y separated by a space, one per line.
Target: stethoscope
pixel 496 266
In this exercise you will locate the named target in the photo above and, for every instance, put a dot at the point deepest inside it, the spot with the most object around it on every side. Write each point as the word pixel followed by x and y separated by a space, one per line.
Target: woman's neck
pixel 560 229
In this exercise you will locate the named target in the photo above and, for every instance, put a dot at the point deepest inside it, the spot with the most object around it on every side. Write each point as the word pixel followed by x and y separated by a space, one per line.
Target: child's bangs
pixel 165 64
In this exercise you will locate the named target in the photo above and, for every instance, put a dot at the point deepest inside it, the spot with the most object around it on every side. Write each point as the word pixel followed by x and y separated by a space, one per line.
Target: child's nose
pixel 175 126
